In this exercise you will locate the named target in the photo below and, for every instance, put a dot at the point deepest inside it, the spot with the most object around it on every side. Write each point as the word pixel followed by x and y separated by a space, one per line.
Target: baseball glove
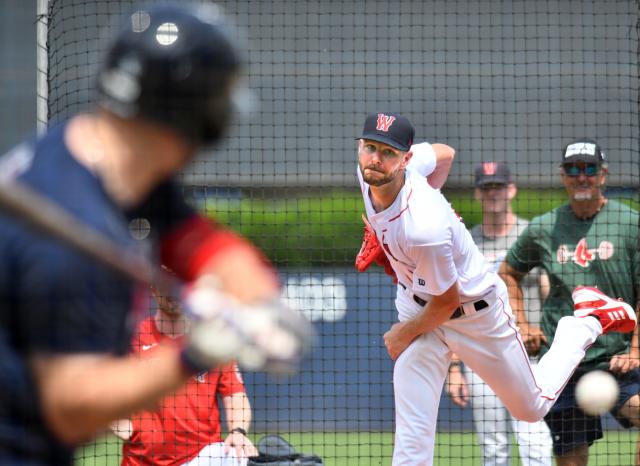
pixel 276 451
pixel 371 251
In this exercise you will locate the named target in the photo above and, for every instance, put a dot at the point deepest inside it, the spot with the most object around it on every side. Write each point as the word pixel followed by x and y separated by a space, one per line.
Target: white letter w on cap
pixel 384 122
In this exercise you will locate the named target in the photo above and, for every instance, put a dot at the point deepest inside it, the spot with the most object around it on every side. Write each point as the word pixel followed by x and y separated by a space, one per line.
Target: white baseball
pixel 596 392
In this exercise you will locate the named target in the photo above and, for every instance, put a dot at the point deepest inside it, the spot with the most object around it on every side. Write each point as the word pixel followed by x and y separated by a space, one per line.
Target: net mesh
pixel 499 81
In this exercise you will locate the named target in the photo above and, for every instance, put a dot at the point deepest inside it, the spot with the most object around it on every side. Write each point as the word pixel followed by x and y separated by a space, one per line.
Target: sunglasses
pixel 492 186
pixel 590 169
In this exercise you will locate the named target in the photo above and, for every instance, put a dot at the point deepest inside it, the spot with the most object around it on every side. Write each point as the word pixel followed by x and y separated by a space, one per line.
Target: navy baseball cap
pixel 583 150
pixel 389 128
pixel 492 173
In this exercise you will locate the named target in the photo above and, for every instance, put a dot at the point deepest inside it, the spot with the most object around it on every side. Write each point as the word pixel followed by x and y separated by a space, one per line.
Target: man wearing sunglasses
pixel 591 241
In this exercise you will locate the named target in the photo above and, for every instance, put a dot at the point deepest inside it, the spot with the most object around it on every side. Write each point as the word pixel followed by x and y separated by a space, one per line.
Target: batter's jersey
pixel 426 242
pixel 184 422
pixel 601 251
pixel 494 249
pixel 55 300
pixel 52 299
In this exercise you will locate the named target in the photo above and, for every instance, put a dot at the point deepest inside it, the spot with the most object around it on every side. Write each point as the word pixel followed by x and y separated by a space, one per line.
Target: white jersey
pixel 427 244
pixel 430 250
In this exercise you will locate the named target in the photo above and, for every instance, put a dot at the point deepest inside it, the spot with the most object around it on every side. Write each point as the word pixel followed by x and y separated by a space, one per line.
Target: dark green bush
pixel 321 229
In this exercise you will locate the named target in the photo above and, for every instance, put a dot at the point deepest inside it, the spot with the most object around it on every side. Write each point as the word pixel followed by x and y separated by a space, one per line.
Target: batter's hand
pixel 623 363
pixel 532 338
pixel 457 387
pixel 266 336
pixel 396 340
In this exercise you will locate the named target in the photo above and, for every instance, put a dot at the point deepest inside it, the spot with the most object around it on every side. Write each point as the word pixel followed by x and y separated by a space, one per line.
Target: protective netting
pixel 509 81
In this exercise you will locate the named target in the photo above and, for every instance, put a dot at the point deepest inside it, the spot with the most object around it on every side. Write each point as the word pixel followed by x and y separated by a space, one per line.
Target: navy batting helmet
pixel 174 66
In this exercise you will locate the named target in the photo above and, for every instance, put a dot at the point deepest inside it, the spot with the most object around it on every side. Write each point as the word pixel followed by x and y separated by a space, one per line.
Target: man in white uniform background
pixel 495 190
pixel 450 301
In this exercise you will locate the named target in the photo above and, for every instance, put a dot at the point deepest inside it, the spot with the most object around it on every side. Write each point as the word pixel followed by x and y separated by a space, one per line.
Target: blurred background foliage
pixel 302 229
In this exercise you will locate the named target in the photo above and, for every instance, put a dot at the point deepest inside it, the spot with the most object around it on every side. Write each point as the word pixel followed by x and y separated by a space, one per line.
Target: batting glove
pixel 266 336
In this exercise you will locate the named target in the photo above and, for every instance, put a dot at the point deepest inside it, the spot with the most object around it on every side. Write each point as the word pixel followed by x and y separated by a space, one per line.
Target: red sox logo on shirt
pixel 384 122
pixel 582 255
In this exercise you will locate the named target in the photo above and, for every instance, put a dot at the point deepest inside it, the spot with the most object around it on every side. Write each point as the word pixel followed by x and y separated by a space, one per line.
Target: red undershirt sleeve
pixel 189 247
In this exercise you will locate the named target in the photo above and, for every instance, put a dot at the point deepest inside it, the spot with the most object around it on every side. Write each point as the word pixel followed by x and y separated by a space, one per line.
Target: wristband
pixel 240 430
pixel 455 364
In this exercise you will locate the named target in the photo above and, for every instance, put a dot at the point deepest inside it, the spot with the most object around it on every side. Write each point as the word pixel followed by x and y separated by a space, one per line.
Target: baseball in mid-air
pixel 596 392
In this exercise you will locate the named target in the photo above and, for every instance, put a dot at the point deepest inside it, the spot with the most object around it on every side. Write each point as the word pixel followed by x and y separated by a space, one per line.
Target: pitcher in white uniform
pixel 450 301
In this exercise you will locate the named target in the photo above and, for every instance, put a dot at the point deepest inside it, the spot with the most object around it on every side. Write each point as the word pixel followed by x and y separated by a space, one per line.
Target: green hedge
pixel 324 229
pixel 297 231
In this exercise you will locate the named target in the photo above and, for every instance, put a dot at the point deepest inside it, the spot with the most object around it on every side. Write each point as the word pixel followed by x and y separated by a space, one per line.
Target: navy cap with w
pixel 389 128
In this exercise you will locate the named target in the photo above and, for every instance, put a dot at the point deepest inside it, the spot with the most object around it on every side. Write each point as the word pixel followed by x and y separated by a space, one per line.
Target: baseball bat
pixel 47 217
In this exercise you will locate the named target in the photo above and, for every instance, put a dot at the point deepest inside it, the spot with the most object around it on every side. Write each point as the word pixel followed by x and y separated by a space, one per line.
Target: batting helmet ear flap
pixel 218 110
pixel 175 66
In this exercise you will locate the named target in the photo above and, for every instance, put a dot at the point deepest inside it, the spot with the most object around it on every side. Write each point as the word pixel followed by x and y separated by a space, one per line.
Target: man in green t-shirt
pixel 592 241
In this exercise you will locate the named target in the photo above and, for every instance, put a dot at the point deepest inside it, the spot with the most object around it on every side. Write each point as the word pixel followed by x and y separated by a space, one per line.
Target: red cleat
pixel 614 315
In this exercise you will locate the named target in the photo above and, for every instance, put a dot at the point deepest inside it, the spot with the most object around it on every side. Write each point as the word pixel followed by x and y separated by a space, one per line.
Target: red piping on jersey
pixel 386 248
pixel 402 211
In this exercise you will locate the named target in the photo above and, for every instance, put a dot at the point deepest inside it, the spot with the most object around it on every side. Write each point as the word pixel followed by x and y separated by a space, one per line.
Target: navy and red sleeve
pixel 197 240
pixel 230 381
pixel 187 240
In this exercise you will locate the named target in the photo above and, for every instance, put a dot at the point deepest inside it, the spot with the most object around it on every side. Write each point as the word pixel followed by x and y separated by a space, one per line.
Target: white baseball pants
pixel 213 455
pixel 493 426
pixel 489 343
